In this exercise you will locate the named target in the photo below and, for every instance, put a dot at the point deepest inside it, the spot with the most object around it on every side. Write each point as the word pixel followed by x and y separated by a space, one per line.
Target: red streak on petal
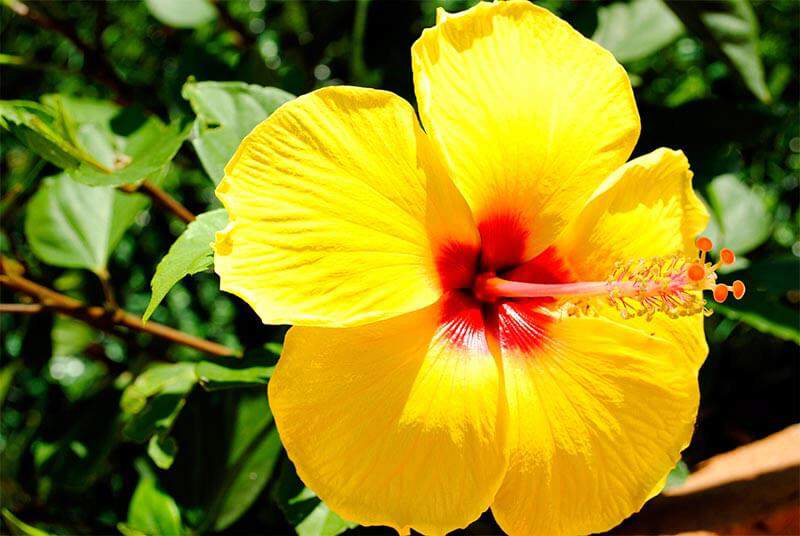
pixel 547 267
pixel 456 263
pixel 503 239
pixel 462 323
pixel 519 327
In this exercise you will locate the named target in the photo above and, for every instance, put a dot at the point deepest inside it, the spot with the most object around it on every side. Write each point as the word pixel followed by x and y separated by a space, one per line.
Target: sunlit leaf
pixel 97 142
pixel 634 30
pixel 72 225
pixel 678 475
pixel 729 29
pixel 19 527
pixel 226 113
pixel 162 450
pixel 742 220
pixel 182 13
pixel 152 511
pixel 40 129
pixel 189 254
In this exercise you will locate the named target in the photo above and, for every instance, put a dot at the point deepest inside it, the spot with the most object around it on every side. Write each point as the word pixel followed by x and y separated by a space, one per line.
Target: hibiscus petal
pixel 599 413
pixel 400 422
pixel 645 209
pixel 336 201
pixel 529 115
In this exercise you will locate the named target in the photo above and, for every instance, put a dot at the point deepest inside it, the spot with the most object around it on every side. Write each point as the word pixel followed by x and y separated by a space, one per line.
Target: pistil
pixel 672 285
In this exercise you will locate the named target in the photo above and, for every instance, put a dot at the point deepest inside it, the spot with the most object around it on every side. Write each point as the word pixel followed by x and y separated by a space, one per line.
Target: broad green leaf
pixel 155 398
pixel 182 13
pixel 72 225
pixel 742 218
pixel 729 29
pixel 254 451
pixel 40 129
pixel 19 527
pixel 767 305
pixel 97 142
pixel 147 153
pixel 226 113
pixel 189 254
pixel 303 509
pixel 152 511
pixel 634 30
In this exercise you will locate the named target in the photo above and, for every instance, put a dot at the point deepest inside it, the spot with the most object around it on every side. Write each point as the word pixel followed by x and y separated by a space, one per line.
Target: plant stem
pixel 104 319
pixel 162 198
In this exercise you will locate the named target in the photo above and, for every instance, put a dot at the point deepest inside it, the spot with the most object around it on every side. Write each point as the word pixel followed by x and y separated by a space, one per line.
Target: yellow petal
pixel 332 200
pixel 400 422
pixel 529 115
pixel 645 209
pixel 599 413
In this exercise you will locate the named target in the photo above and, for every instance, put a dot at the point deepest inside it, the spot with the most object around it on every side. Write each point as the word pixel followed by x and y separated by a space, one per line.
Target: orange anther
pixel 720 293
pixel 727 256
pixel 695 272
pixel 704 244
pixel 738 289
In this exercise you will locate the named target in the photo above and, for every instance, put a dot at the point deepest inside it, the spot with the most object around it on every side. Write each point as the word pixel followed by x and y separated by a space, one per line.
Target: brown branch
pixel 95 64
pixel 104 319
pixel 161 198
pixel 21 308
pixel 730 491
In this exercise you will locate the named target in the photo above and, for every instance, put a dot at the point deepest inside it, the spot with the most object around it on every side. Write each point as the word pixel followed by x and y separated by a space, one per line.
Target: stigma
pixel 672 285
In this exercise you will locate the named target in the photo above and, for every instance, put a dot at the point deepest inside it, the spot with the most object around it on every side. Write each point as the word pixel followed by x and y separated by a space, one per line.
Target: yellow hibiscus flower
pixel 493 312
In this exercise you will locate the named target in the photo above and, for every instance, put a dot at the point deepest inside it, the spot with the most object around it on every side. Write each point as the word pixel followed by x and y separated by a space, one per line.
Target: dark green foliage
pixel 102 433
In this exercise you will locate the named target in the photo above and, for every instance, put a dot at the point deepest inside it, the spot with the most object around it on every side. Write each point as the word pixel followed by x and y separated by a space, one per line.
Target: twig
pixel 108 290
pixel 21 308
pixel 103 319
pixel 95 65
pixel 162 198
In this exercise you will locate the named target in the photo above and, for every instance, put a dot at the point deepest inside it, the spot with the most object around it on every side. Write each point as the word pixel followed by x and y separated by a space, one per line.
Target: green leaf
pixel 7 374
pixel 97 142
pixel 72 225
pixel 189 254
pixel 767 305
pixel 182 13
pixel 155 398
pixel 742 220
pixel 637 29
pixel 19 527
pixel 70 336
pixel 254 451
pixel 229 372
pixel 678 475
pixel 729 29
pixel 147 154
pixel 303 509
pixel 152 511
pixel 162 450
pixel 40 129
pixel 226 113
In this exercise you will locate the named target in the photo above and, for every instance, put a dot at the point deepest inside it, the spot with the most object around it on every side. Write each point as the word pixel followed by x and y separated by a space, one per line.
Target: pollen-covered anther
pixel 672 285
